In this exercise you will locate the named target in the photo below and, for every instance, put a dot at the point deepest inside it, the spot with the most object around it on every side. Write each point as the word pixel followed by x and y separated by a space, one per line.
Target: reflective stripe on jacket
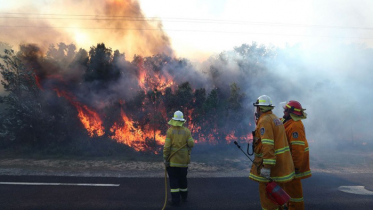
pixel 177 137
pixel 296 135
pixel 271 150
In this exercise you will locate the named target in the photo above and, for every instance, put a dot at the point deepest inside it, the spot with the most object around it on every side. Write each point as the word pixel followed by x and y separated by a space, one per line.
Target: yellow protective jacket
pixel 296 135
pixel 177 137
pixel 271 150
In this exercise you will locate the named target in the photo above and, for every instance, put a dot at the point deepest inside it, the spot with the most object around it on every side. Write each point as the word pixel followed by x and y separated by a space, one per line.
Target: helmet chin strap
pixel 257 115
pixel 286 118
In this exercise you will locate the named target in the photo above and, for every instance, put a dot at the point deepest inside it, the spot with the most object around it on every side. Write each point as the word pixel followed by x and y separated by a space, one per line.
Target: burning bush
pixel 66 94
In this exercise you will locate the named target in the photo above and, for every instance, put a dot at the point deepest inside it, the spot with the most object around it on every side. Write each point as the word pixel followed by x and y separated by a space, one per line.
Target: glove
pixel 265 172
pixel 167 164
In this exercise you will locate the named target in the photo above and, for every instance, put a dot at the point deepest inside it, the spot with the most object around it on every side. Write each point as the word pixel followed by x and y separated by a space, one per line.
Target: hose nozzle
pixel 239 147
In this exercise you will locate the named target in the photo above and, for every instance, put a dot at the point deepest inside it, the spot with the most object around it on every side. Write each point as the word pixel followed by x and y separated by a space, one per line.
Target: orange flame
pixel 90 119
pixel 132 136
pixel 231 138
pixel 149 80
pixel 145 138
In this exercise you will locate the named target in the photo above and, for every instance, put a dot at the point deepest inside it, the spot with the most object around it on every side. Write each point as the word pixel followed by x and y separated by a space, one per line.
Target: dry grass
pixel 230 163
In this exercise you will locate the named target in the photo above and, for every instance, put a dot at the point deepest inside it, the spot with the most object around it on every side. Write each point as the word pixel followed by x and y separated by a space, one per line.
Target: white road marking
pixel 360 190
pixel 58 184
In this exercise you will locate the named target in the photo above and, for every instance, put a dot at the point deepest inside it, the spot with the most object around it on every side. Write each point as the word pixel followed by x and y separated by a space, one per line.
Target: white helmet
pixel 263 100
pixel 178 115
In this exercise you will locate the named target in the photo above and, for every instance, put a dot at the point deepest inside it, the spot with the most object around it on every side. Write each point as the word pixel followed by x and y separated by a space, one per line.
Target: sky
pixel 269 22
pixel 194 29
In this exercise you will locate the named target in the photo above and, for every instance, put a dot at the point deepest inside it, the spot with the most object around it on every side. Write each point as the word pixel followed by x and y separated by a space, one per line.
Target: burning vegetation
pixel 59 95
pixel 78 99
pixel 56 97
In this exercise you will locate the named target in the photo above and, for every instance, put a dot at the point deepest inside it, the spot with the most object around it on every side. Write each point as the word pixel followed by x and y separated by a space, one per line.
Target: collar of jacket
pixel 176 123
pixel 288 121
pixel 264 114
pixel 296 117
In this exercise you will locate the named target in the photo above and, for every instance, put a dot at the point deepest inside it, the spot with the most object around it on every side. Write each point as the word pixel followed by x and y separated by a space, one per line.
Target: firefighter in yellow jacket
pixel 296 135
pixel 272 153
pixel 176 155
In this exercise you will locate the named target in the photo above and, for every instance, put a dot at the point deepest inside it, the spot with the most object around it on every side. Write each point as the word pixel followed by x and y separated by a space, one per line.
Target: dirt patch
pixel 106 168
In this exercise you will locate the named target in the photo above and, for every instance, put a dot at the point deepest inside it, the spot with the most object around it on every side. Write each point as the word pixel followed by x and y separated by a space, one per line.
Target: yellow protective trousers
pixel 266 203
pixel 295 191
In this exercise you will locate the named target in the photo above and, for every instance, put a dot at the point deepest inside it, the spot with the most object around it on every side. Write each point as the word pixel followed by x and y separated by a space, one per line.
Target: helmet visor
pixel 280 112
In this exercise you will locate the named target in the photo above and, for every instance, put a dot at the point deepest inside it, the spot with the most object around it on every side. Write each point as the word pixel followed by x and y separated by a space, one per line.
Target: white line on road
pixel 58 184
pixel 360 190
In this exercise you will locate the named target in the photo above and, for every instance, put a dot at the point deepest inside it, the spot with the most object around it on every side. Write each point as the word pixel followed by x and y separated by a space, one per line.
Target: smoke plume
pixel 117 23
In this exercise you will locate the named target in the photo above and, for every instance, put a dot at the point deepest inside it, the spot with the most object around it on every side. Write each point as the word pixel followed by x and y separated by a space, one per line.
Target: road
pixel 321 192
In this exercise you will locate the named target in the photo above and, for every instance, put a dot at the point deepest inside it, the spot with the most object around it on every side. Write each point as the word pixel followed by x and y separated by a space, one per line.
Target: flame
pixel 90 119
pixel 145 137
pixel 134 137
pixel 208 139
pixel 150 80
pixel 231 138
pixel 37 80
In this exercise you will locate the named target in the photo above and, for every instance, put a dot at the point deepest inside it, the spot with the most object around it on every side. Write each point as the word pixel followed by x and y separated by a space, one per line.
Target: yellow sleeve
pixel 167 145
pixel 297 147
pixel 190 140
pixel 267 139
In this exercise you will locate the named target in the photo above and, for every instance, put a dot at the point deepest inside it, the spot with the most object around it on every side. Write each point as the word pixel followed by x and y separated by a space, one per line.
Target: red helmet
pixel 295 107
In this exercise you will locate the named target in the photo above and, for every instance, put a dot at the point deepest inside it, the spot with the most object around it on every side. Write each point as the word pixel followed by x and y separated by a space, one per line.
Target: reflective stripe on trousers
pixel 178 183
pixel 295 191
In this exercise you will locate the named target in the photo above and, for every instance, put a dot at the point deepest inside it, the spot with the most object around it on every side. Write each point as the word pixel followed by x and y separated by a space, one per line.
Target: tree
pixel 63 54
pixel 235 99
pixel 118 59
pixel 212 101
pixel 184 96
pixel 198 111
pixel 169 100
pixel 154 96
pixel 100 64
pixel 21 106
pixel 235 112
pixel 29 117
pixel 157 62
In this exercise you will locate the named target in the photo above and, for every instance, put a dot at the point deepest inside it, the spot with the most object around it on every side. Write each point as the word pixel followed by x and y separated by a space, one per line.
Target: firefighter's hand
pixel 167 164
pixel 265 172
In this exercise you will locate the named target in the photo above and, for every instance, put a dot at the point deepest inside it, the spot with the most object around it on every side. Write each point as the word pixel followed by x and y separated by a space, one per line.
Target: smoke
pixel 142 42
pixel 26 28
pixel 118 23
pixel 333 83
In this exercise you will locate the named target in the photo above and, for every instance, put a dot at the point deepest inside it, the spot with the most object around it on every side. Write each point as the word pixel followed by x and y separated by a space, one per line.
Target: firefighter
pixel 272 153
pixel 176 155
pixel 296 135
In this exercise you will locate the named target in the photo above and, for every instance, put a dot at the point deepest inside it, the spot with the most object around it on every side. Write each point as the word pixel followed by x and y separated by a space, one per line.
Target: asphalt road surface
pixel 321 191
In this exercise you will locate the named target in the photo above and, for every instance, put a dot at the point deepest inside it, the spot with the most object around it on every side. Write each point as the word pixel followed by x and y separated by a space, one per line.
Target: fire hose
pixel 274 192
pixel 165 176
